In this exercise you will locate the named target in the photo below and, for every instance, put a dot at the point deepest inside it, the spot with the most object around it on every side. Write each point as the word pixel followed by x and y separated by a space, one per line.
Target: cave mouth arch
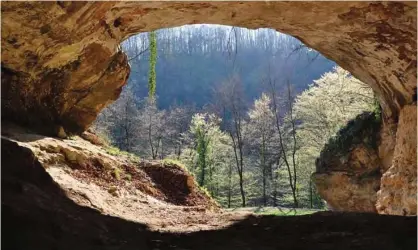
pixel 65 66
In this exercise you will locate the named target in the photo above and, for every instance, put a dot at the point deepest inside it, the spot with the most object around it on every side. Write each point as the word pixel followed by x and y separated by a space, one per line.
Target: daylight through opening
pixel 246 112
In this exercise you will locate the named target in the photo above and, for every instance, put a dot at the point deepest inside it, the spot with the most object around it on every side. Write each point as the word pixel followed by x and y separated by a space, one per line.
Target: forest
pixel 247 112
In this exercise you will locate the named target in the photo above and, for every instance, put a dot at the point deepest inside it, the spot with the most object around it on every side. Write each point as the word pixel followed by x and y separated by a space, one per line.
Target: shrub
pixel 116 173
pixel 364 129
pixel 117 152
pixel 174 162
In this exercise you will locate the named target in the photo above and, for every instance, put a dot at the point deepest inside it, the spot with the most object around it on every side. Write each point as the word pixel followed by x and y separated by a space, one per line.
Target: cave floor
pixel 38 214
pixel 32 227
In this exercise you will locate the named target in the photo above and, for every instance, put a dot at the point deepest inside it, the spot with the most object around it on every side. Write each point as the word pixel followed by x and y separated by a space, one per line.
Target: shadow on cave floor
pixel 22 134
pixel 36 214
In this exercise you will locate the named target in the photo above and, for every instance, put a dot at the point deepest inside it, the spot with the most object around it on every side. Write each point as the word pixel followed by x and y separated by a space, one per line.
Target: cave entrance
pixel 271 76
pixel 61 67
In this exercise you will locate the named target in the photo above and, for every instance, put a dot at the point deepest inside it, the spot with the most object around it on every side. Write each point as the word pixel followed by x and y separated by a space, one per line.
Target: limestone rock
pixel 398 191
pixel 90 136
pixel 165 181
pixel 61 133
pixel 61 62
pixel 346 191
pixel 348 170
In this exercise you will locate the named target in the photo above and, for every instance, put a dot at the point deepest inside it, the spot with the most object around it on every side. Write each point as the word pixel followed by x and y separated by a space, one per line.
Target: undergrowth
pixel 174 162
pixel 117 152
pixel 364 129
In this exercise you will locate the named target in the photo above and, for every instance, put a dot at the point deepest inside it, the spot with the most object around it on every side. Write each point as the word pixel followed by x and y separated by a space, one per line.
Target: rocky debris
pixel 90 163
pixel 38 214
pixel 61 63
pixel 398 189
pixel 61 133
pixel 91 136
pixel 348 170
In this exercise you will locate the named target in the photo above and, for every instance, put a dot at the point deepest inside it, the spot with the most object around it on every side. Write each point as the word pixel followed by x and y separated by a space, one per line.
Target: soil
pixel 54 208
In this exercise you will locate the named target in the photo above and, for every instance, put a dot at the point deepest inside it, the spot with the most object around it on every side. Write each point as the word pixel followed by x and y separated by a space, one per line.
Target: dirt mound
pixel 177 185
pixel 115 185
pixel 111 170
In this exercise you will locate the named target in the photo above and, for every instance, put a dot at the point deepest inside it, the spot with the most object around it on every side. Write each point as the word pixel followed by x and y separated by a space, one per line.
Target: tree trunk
pixel 229 186
pixel 239 168
pixel 310 194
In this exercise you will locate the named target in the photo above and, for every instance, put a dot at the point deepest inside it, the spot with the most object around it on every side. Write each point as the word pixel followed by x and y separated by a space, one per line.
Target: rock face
pixel 398 192
pixel 348 170
pixel 61 62
pixel 360 171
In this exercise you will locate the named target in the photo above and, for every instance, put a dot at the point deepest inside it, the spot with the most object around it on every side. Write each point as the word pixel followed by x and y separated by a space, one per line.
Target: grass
pixel 116 173
pixel 276 211
pixel 286 211
pixel 117 152
pixel 72 137
pixel 171 162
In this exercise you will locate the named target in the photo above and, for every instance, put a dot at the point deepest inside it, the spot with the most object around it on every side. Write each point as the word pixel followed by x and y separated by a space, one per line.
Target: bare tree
pixel 231 98
pixel 283 133
pixel 178 120
pixel 260 129
pixel 151 125
pixel 120 121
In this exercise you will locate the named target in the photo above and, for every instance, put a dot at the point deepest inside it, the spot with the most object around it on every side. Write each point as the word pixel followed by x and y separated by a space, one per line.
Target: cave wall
pixel 349 168
pixel 398 189
pixel 61 61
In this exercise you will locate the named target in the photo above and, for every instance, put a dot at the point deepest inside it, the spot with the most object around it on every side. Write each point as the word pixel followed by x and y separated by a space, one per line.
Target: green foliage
pixel 128 177
pixel 72 137
pixel 169 161
pixel 116 173
pixel 174 162
pixel 205 191
pixel 117 152
pixel 152 76
pixel 205 129
pixel 286 211
pixel 364 129
pixel 377 110
pixel 207 151
pixel 323 109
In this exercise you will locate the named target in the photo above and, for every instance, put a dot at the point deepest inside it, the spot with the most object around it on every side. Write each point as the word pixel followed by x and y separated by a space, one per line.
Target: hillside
pixel 160 195
pixel 192 60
